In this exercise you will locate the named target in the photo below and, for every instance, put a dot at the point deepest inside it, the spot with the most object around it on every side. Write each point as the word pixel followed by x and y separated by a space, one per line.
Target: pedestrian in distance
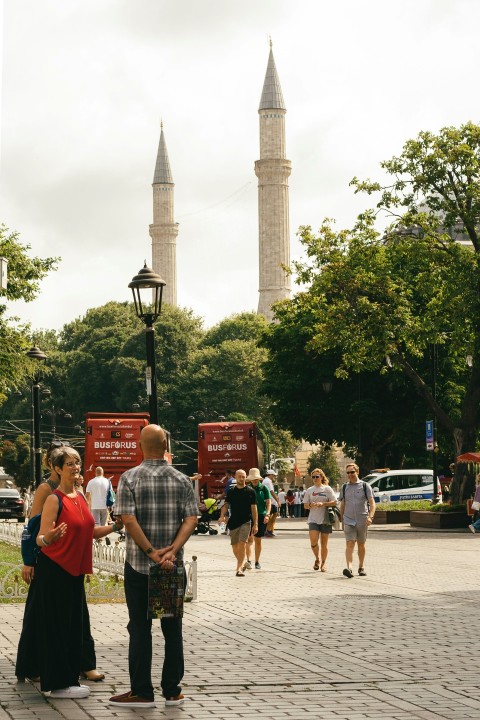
pixel 290 501
pixel 264 504
pixel 282 503
pixel 268 481
pixel 357 508
pixel 241 502
pixel 475 526
pixel 157 504
pixel 317 499
pixel 96 494
pixel 298 503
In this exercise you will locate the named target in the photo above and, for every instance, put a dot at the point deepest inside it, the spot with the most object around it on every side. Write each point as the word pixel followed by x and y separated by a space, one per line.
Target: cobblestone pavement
pixel 287 642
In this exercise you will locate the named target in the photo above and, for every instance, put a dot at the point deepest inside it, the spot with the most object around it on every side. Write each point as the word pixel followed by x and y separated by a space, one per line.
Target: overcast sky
pixel 85 84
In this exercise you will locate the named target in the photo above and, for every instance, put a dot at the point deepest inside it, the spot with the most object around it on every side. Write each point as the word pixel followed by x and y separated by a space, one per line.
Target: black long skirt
pixel 58 624
pixel 28 664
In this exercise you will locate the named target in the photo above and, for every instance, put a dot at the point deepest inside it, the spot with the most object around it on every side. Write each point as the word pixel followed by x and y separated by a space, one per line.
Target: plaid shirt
pixel 160 497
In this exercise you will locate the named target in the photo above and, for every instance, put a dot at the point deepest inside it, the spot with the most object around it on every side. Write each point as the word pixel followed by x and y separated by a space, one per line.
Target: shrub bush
pixel 448 508
pixel 404 505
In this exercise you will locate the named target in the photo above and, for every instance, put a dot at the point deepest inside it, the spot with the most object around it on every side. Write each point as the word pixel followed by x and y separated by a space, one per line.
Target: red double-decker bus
pixel 112 441
pixel 222 446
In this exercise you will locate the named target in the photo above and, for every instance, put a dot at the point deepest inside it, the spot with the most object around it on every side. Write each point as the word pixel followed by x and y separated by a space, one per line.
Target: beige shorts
pixel 356 533
pixel 241 533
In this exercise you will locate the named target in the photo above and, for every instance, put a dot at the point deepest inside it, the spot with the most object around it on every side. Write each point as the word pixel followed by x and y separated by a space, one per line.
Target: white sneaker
pixel 73 692
pixel 472 529
pixel 247 565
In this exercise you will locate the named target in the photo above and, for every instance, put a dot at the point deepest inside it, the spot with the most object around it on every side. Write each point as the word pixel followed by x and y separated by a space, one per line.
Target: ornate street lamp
pixel 36 354
pixel 55 412
pixel 148 306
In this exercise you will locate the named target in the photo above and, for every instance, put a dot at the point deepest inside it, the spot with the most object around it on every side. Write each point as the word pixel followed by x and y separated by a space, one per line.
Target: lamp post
pixel 148 306
pixel 36 354
pixel 55 412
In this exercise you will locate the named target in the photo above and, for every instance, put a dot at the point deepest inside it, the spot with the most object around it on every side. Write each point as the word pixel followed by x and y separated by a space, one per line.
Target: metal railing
pixel 108 564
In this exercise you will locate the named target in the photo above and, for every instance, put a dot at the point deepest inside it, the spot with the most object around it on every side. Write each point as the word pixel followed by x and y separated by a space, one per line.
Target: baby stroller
pixel 210 510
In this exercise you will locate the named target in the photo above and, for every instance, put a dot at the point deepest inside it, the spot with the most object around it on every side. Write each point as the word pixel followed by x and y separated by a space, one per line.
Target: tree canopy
pixel 386 300
pixel 24 275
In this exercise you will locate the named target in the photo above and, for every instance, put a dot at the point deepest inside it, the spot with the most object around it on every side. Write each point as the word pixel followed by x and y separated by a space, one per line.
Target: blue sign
pixel 429 435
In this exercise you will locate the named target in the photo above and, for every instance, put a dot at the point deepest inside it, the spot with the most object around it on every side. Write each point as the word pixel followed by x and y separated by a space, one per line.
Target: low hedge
pixel 404 505
pixel 444 508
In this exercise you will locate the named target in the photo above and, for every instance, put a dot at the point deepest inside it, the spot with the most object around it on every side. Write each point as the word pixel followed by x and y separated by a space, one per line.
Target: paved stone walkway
pixel 287 642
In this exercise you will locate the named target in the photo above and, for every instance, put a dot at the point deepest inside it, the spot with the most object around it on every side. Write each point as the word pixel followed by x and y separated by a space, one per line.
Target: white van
pixel 392 485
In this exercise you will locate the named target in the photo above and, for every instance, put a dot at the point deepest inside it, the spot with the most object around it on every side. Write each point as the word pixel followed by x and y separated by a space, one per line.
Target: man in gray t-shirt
pixel 357 508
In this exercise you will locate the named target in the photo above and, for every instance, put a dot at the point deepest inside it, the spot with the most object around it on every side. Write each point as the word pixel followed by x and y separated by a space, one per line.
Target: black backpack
pixel 28 543
pixel 364 490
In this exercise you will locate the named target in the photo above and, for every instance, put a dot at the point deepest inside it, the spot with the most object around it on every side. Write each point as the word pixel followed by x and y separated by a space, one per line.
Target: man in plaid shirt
pixel 159 511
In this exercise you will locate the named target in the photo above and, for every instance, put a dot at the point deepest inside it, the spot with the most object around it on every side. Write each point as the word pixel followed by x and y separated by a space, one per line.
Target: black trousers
pixel 28 664
pixel 140 646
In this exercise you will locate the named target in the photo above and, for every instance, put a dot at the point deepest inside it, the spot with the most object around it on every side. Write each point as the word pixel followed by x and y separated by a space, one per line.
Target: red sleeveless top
pixel 73 552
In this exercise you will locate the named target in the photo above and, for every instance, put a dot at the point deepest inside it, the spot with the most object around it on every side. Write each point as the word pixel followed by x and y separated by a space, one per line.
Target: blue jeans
pixel 140 646
pixel 476 525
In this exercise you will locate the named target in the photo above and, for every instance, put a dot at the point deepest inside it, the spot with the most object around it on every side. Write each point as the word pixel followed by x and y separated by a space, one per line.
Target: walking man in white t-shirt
pixel 96 494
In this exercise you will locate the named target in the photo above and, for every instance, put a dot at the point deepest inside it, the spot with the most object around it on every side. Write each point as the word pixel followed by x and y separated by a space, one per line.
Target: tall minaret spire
pixel 273 171
pixel 164 230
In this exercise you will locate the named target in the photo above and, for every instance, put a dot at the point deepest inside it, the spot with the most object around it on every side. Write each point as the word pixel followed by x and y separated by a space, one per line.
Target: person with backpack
pixel 27 662
pixel 64 539
pixel 357 508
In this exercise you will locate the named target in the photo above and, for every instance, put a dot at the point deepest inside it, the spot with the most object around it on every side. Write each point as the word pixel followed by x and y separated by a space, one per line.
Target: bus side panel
pixel 112 441
pixel 221 446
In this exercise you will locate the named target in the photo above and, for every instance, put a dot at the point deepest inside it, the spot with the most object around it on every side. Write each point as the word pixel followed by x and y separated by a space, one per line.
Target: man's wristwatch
pixel 149 550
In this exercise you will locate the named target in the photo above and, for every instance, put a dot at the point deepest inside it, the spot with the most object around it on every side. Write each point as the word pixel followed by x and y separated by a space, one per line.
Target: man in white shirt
pixel 282 502
pixel 298 507
pixel 96 494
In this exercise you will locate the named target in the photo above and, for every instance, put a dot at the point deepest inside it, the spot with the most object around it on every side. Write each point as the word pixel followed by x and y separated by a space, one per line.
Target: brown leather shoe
pixel 92 675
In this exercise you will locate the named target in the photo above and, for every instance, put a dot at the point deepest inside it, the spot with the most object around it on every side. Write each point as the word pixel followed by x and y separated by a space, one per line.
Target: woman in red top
pixel 290 498
pixel 65 558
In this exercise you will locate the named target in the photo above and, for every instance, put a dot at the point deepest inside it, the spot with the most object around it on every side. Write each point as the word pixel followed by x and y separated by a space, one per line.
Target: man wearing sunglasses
pixel 357 508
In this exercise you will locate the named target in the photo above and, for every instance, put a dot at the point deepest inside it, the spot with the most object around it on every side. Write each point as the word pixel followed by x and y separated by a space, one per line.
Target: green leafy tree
pixel 24 275
pixel 400 293
pixel 103 367
pixel 377 416
pixel 325 458
pixel 225 376
pixel 241 326
pixel 15 459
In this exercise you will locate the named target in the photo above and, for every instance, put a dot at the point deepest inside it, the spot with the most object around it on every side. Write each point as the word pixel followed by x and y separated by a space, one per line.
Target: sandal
pixel 240 573
pixel 316 565
pixel 92 675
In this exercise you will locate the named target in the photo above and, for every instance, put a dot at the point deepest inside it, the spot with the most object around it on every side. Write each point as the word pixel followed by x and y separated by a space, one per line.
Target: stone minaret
pixel 164 230
pixel 272 171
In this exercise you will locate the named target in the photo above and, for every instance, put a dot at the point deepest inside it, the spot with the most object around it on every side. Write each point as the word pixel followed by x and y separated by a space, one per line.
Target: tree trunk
pixel 463 483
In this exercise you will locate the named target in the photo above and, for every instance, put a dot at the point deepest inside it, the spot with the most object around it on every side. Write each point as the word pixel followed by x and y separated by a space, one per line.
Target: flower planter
pixel 439 520
pixel 391 517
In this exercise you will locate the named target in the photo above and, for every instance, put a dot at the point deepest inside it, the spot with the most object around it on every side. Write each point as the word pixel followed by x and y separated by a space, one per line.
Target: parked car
pixel 11 504
pixel 391 485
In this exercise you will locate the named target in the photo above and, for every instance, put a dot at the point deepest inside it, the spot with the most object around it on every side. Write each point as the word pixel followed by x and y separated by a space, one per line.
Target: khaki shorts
pixel 241 533
pixel 356 533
